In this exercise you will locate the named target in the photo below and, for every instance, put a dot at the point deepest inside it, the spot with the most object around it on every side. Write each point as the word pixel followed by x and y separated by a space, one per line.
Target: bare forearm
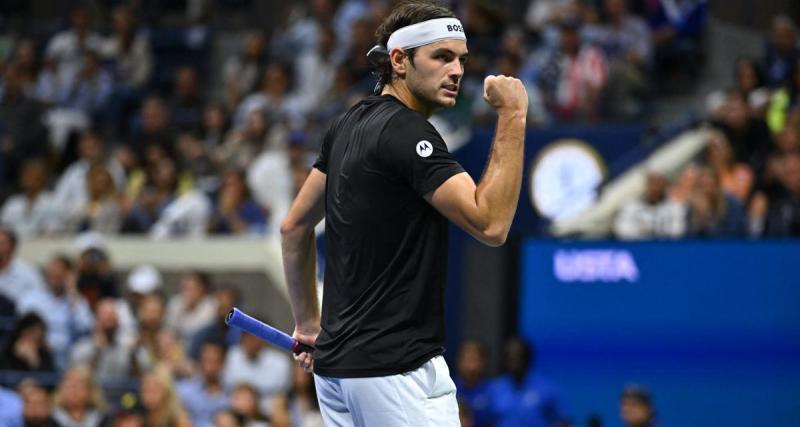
pixel 498 191
pixel 299 264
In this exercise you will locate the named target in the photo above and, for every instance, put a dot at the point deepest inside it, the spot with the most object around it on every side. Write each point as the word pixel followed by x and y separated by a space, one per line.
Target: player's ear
pixel 397 57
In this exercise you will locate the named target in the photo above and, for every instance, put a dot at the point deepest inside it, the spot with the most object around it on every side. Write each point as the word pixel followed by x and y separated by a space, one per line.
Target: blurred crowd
pixel 746 183
pixel 80 347
pixel 111 120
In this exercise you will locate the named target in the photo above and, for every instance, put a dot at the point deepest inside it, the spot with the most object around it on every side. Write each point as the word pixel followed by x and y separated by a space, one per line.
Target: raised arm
pixel 299 255
pixel 486 210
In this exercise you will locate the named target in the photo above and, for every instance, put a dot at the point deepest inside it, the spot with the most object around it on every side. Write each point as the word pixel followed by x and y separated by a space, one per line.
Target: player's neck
pixel 400 90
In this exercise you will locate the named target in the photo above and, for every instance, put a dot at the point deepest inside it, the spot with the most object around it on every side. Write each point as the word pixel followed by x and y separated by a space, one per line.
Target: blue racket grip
pixel 266 332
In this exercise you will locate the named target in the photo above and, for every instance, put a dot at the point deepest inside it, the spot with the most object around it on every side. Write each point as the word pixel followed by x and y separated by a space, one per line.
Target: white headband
pixel 426 32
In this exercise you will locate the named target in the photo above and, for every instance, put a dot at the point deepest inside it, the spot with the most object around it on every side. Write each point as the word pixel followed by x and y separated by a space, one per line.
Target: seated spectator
pixel 128 48
pixel 471 381
pixel 736 178
pixel 185 217
pixel 781 51
pixel 748 135
pixel 625 39
pixel 102 211
pixel 573 76
pixel 33 212
pixel 522 396
pixel 226 298
pixel 783 210
pixel 712 211
pixel 96 279
pixel 677 27
pixel 204 395
pixel 315 70
pixel 193 308
pixel 37 407
pixel 66 48
pixel 228 418
pixel 151 314
pixel 251 362
pixel 748 79
pixel 785 101
pixel 300 407
pixel 237 213
pixel 172 355
pixel 243 145
pixel 17 277
pixel 24 135
pixel 271 181
pixel 10 408
pixel 186 103
pixel 161 403
pixel 636 408
pixel 26 350
pixel 107 351
pixel 654 215
pixel 71 190
pixel 78 400
pixel 245 404
pixel 216 123
pixel 242 71
pixel 196 160
pixel 25 58
pixel 65 311
pixel 153 126
pixel 275 97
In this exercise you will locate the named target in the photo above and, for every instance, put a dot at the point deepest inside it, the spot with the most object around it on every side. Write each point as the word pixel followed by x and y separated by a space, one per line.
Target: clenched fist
pixel 505 94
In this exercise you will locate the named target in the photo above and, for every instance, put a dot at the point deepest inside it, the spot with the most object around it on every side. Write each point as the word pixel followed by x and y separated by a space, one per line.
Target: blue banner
pixel 711 328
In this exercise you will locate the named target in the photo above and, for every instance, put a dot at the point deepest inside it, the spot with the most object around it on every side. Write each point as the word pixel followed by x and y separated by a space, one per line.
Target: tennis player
pixel 386 185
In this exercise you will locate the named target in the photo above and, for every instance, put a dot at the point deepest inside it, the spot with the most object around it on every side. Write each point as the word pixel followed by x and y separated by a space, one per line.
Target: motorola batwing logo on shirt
pixel 424 148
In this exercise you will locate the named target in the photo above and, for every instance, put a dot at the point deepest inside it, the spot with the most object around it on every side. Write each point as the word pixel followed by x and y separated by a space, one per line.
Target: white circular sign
pixel 424 148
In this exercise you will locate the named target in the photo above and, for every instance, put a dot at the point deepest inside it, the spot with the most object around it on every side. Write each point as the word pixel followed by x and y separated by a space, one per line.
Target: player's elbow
pixel 291 228
pixel 494 236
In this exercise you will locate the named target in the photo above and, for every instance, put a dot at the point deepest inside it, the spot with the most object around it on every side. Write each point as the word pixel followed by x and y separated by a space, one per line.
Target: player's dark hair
pixel 406 13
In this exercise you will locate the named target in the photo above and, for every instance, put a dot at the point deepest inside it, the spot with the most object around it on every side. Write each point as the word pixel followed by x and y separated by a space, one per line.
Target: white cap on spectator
pixel 89 240
pixel 144 279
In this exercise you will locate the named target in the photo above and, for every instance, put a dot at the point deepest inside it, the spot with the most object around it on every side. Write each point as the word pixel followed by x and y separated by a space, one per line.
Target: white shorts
pixel 425 396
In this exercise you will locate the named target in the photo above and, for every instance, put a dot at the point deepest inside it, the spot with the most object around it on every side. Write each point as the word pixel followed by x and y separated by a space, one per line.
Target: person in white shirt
pixel 66 48
pixel 251 362
pixel 17 277
pixel 193 308
pixel 654 215
pixel 33 211
pixel 61 306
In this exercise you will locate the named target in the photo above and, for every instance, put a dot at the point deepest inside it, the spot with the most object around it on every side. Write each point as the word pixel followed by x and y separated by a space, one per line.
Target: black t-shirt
pixel 386 247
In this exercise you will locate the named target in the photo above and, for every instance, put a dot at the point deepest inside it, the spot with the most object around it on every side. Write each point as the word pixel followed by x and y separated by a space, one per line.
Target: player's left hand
pixel 305 360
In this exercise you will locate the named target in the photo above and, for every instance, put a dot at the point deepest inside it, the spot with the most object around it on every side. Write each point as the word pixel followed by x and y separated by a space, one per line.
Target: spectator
pixel 785 101
pixel 143 281
pixel 573 76
pixel 251 362
pixel 151 314
pixel 204 395
pixel 10 408
pixel 781 52
pixel 79 400
pixel 275 98
pixel 160 189
pixel 237 213
pixel 243 145
pixel 25 58
pixel 245 403
pixel 25 350
pixel 749 136
pixel 713 212
pixel 66 49
pixel 17 277
pixel 625 39
pixel 102 212
pixel 315 70
pixel 65 311
pixel 654 215
pixel 24 136
pixel 636 408
pixel 107 351
pixel 72 188
pixel 186 104
pixel 193 308
pixel 216 123
pixel 37 408
pixel 129 50
pixel 471 382
pixel 241 72
pixel 195 159
pixel 736 178
pixel 33 212
pixel 783 212
pixel 522 396
pixel 299 408
pixel 228 418
pixel 96 279
pixel 226 297
pixel 677 27
pixel 154 127
pixel 270 180
pixel 161 403
pixel 172 355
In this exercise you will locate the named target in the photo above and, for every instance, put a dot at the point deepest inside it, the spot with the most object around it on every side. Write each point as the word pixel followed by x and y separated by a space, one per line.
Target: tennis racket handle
pixel 266 332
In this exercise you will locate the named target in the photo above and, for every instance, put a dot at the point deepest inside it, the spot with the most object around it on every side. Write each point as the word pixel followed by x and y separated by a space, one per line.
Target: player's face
pixel 437 72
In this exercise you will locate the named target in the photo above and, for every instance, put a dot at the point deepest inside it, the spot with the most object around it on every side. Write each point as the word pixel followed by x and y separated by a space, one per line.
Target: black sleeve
pixel 414 151
pixel 322 159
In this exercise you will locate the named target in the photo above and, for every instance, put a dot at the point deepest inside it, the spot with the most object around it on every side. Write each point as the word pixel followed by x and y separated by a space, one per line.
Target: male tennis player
pixel 386 186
